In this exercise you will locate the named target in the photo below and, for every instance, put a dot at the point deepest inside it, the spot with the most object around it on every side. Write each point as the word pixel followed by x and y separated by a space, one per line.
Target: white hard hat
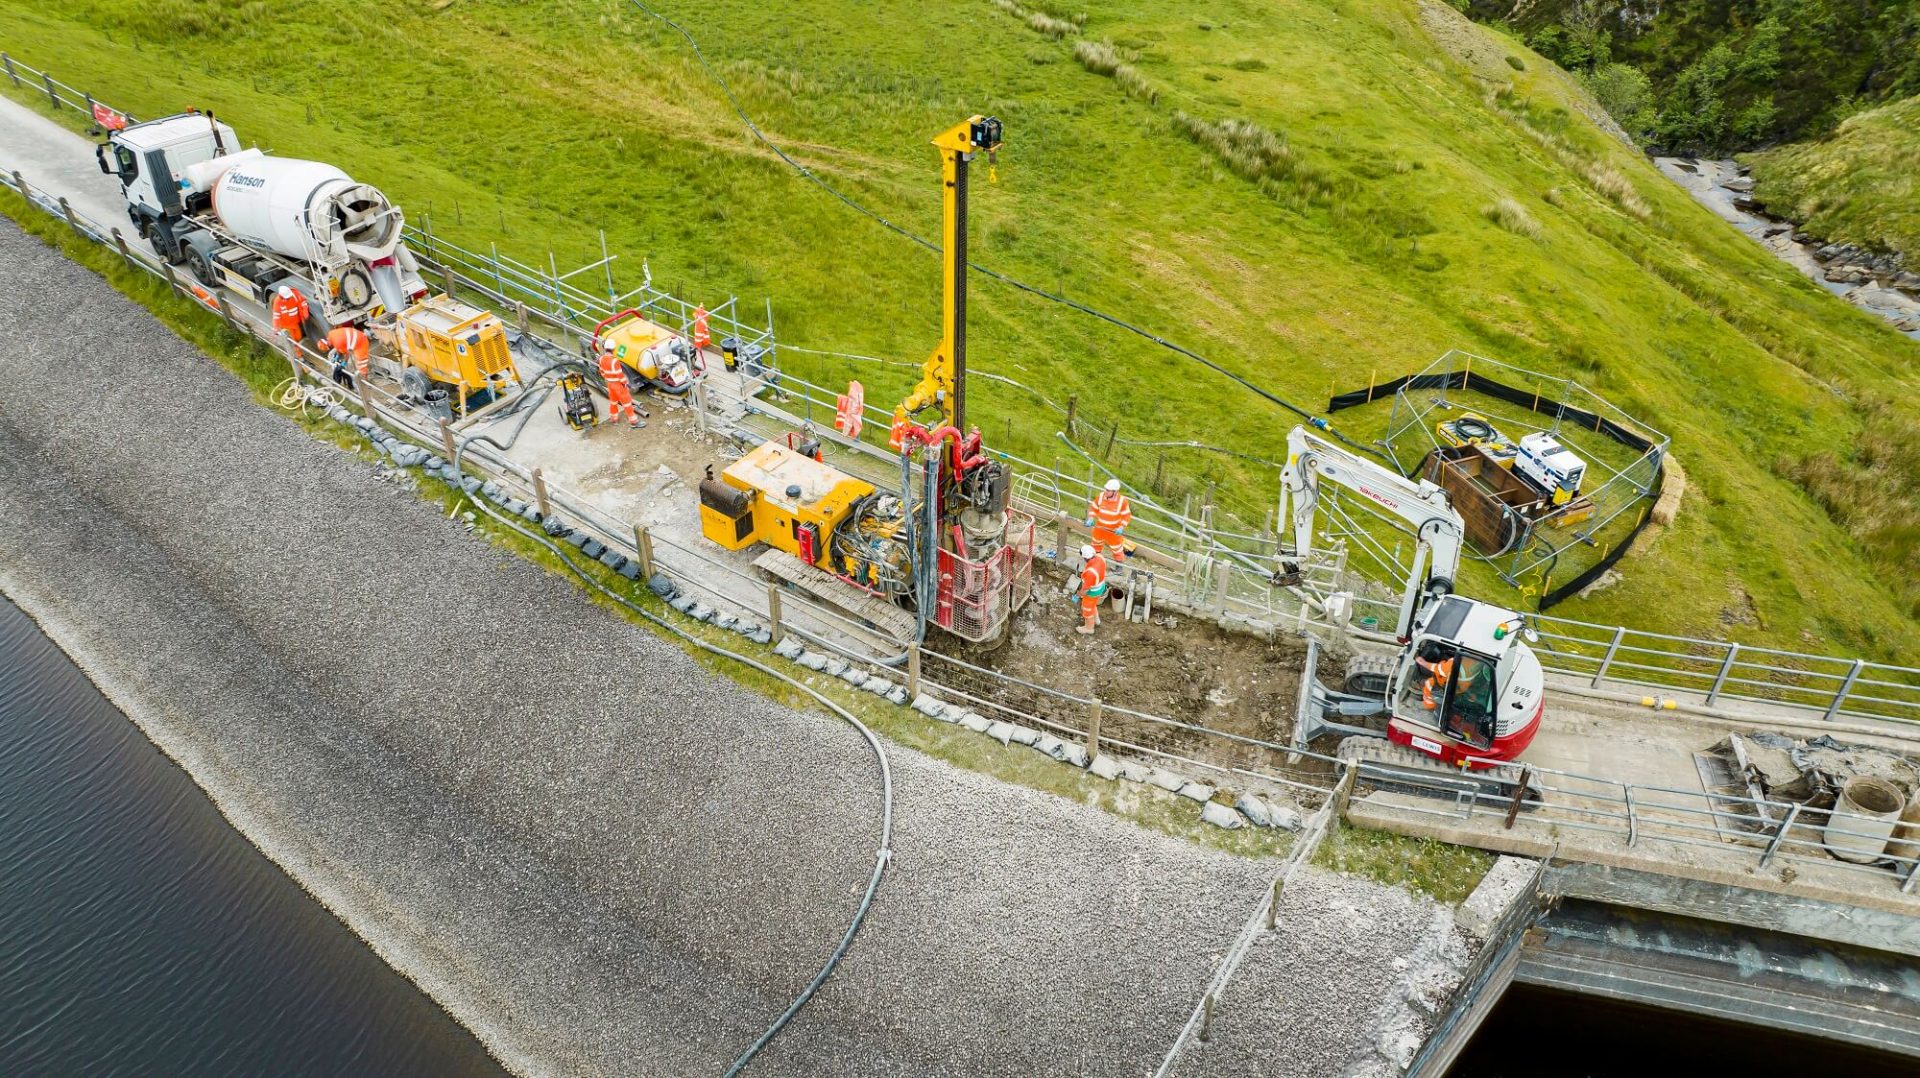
pixel 1113 486
pixel 286 291
pixel 1086 552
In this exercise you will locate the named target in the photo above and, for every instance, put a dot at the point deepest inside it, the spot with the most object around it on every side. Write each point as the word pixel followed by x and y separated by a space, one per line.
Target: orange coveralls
pixel 1093 586
pixel 289 314
pixel 619 397
pixel 348 341
pixel 1109 515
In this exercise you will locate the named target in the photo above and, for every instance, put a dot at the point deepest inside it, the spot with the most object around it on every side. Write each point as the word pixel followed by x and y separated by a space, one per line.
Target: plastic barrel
pixel 1863 820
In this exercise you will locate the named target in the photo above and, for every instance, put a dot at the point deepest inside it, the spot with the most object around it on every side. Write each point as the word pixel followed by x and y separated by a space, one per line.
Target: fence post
pixel 7 61
pixel 1607 659
pixel 1220 578
pixel 446 274
pixel 1519 795
pixel 1720 679
pixel 20 184
pixel 1093 729
pixel 1846 687
pixel 366 401
pixel 1343 793
pixel 540 494
pixel 293 358
pixel 1063 533
pixel 52 94
pixel 1273 903
pixel 913 671
pixel 1206 1016
pixel 446 443
pixel 67 212
pixel 173 282
pixel 1786 825
pixel 1073 406
pixel 520 315
pixel 643 548
pixel 226 310
pixel 773 611
pixel 700 403
pixel 120 242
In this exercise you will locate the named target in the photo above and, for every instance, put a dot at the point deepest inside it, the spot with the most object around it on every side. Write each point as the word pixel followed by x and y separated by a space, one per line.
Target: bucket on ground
pixel 1906 836
pixel 1863 819
pixel 439 404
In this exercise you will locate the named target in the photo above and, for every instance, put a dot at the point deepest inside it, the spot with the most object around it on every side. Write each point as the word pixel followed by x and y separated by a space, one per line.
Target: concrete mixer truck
pixel 249 221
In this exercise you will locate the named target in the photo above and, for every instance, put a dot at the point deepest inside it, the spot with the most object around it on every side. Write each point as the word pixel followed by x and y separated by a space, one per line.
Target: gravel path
pixel 626 875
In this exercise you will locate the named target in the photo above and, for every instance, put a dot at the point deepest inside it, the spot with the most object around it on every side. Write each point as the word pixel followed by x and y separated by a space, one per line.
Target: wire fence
pixel 1550 539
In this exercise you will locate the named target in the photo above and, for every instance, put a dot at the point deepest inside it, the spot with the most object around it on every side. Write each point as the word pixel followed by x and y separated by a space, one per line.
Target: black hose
pixel 881 856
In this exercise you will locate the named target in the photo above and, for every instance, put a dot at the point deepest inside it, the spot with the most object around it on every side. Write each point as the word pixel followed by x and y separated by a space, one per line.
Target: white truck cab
pixel 151 160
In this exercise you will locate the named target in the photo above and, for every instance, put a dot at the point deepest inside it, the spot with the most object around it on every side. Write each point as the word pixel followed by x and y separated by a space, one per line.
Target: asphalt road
pixel 603 860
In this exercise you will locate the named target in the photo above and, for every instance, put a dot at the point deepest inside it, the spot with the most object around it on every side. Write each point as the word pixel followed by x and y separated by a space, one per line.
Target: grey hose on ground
pixel 881 856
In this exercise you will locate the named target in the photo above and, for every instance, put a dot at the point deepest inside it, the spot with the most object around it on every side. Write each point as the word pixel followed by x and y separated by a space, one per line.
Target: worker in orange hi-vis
pixel 1439 670
pixel 1109 516
pixel 701 338
pixel 344 343
pixel 1091 587
pixel 289 312
pixel 619 397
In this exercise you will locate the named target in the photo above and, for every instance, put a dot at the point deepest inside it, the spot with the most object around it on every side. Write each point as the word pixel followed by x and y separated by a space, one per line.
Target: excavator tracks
pixel 1398 769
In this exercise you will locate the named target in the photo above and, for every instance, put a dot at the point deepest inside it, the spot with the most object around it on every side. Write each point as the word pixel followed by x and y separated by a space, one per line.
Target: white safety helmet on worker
pixel 1086 552
pixel 286 291
pixel 1113 486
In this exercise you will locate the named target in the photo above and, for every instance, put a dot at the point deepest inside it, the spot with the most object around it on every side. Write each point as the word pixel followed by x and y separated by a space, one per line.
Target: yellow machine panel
pixel 456 343
pixel 776 496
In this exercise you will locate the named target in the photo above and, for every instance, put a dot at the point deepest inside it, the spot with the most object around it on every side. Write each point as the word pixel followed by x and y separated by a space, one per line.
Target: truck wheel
pixel 201 268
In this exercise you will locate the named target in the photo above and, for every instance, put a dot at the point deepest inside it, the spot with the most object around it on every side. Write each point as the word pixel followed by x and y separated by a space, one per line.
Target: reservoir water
pixel 141 934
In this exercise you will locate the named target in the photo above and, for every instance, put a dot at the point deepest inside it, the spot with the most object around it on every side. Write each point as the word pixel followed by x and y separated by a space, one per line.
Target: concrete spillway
pixel 1607 963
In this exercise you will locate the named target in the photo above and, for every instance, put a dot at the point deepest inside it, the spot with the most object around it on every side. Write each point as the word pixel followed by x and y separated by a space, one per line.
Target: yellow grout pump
pixel 817 513
pixel 449 344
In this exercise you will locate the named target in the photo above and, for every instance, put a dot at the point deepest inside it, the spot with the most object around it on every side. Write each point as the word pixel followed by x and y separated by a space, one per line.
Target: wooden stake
pixel 540 494
pixel 446 439
pixel 1093 729
pixel 643 546
pixel 913 671
pixel 773 611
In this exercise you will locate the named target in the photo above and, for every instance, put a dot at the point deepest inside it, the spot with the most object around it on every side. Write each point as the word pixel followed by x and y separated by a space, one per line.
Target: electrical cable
pixel 985 271
pixel 881 857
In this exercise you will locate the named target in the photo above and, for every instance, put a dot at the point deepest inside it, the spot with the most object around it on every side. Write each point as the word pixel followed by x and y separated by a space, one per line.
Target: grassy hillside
pixel 1306 191
pixel 1859 185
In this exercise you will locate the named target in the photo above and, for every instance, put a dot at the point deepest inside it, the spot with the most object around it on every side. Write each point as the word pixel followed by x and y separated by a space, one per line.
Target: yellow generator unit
pixel 815 512
pixel 448 344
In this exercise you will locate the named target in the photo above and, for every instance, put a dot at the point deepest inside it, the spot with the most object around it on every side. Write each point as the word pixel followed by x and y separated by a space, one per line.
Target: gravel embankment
pixel 597 855
pixel 1347 986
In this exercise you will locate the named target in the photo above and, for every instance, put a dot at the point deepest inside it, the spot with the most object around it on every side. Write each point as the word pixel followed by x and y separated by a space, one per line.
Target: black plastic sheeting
pixel 1566 413
pixel 1561 410
pixel 1554 597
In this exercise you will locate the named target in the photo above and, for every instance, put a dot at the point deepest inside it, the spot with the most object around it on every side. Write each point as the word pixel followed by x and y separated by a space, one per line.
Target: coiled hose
pixel 881 856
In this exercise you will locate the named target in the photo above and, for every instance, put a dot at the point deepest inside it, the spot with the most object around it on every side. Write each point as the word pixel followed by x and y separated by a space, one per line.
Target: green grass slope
pixel 1859 185
pixel 1307 191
